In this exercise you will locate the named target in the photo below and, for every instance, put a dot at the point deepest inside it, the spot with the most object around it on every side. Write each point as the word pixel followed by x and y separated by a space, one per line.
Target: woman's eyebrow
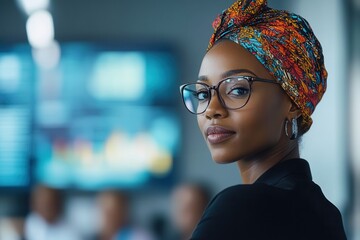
pixel 232 72
pixel 203 78
pixel 236 71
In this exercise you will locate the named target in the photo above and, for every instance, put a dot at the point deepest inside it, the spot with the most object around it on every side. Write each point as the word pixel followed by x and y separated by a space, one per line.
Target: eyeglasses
pixel 233 93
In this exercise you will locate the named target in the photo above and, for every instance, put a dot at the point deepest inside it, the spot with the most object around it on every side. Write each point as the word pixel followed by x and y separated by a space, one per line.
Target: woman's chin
pixel 222 159
pixel 222 162
pixel 225 156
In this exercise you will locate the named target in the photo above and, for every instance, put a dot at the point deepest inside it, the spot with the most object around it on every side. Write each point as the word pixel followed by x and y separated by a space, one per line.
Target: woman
pixel 259 83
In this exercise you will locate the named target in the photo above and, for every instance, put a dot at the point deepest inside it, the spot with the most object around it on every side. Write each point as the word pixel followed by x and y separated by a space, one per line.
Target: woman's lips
pixel 216 134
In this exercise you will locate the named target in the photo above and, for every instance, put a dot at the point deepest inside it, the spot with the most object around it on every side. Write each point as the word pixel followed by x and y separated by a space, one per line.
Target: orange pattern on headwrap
pixel 284 43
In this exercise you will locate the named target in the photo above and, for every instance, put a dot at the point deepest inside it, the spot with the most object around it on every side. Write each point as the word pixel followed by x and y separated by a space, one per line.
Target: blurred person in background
pixel 115 221
pixel 46 220
pixel 12 228
pixel 259 82
pixel 189 201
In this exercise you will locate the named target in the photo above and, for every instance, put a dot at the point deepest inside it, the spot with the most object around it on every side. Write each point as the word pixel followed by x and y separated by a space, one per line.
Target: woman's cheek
pixel 200 121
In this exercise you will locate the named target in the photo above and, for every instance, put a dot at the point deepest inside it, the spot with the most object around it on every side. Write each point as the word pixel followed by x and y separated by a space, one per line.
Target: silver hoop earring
pixel 294 129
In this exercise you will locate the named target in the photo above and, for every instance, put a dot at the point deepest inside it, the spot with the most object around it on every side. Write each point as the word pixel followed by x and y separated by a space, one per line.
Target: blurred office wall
pixel 354 112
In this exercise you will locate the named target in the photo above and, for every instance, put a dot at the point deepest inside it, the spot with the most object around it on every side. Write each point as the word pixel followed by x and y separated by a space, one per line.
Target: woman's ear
pixel 294 112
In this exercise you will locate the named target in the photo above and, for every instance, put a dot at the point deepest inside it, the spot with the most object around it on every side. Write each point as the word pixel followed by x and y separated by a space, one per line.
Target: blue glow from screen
pixel 118 76
pixel 17 75
pixel 113 122
pixel 104 117
pixel 14 146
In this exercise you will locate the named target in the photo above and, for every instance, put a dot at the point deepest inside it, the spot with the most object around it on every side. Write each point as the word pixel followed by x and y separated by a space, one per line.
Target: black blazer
pixel 284 203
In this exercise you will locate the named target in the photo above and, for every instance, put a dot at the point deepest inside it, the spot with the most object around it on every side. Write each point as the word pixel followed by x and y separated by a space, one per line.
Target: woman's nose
pixel 215 108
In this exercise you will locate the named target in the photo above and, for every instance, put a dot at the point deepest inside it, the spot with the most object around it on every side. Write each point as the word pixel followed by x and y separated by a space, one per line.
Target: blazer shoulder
pixel 255 199
pixel 241 210
pixel 253 192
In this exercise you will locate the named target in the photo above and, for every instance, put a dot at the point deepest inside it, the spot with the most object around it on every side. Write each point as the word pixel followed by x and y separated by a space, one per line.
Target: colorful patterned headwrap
pixel 285 45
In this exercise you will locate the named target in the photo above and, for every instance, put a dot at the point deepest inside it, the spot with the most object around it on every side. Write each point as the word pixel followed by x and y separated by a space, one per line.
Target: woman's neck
pixel 253 167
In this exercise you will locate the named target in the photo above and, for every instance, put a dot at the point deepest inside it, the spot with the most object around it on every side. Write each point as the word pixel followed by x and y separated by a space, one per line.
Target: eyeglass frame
pixel 249 79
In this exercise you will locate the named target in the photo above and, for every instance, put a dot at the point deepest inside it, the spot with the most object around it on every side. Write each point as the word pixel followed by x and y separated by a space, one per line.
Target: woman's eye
pixel 238 92
pixel 202 95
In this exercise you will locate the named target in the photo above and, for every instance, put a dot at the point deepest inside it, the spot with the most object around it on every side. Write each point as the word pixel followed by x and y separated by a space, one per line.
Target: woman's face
pixel 257 127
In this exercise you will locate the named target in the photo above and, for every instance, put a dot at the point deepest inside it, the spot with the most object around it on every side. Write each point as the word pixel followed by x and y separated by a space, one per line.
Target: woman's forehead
pixel 228 56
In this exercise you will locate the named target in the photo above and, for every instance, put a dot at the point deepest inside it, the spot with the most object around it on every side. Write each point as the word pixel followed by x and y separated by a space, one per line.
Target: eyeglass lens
pixel 234 93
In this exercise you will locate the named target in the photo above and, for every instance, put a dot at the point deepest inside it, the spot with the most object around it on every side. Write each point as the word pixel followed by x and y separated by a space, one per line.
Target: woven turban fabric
pixel 285 45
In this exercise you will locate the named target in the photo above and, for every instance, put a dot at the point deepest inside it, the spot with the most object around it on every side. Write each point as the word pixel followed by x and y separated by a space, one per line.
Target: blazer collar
pixel 287 174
